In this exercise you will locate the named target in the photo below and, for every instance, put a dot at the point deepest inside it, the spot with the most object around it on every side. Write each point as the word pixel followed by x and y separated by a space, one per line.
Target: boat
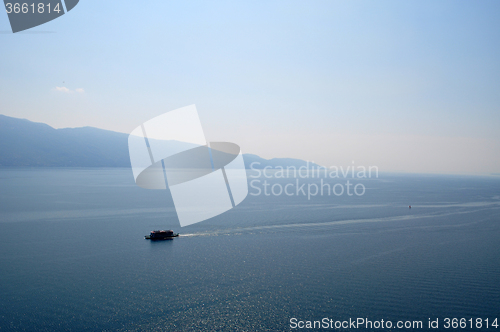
pixel 161 235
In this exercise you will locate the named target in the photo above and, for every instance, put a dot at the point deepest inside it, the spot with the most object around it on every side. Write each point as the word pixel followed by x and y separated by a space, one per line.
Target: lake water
pixel 73 255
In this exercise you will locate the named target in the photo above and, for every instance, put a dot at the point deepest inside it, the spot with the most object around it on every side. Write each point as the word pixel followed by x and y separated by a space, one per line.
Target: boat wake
pixel 262 228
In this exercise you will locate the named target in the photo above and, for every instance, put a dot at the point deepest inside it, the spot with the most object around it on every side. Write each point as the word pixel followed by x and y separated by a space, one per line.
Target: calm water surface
pixel 73 255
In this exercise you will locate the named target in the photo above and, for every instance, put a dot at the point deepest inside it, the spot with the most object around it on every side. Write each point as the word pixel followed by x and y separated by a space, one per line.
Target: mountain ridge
pixel 24 143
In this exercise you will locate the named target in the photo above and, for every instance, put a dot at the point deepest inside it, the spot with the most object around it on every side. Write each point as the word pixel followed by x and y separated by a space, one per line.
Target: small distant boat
pixel 409 206
pixel 161 235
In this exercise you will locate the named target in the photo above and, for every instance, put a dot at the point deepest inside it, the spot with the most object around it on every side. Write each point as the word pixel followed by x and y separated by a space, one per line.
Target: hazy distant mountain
pixel 260 163
pixel 26 143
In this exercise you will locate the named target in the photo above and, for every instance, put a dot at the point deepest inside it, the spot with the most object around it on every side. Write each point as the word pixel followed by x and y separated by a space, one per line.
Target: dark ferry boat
pixel 161 235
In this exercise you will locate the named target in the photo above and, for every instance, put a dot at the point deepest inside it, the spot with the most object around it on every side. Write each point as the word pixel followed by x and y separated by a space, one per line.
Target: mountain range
pixel 24 143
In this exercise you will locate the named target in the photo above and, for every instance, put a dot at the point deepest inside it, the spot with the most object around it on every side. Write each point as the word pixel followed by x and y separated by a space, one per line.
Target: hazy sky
pixel 405 85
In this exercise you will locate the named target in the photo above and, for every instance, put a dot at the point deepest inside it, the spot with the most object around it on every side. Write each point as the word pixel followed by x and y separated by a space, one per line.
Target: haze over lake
pixel 74 255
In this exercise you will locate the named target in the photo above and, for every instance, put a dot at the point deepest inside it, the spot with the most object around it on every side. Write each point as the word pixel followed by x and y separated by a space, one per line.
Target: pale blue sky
pixel 405 85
